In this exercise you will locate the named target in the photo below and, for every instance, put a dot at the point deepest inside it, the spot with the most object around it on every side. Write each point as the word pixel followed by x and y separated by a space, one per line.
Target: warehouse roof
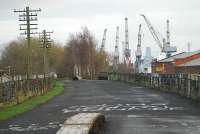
pixel 195 62
pixel 179 55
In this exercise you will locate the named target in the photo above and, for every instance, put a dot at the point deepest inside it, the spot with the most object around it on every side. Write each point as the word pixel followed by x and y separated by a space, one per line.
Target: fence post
pixel 198 86
pixel 177 83
pixel 188 85
pixel 111 75
pixel 1 92
pixel 18 88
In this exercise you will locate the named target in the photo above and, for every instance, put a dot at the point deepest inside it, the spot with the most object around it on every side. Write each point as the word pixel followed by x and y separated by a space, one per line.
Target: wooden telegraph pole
pixel 26 18
pixel 45 41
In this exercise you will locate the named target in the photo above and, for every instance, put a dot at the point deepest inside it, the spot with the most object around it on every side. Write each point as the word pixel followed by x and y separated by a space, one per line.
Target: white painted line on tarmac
pixel 121 107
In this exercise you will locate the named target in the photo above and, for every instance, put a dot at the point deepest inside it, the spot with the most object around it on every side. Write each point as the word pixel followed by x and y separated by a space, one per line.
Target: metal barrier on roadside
pixel 187 85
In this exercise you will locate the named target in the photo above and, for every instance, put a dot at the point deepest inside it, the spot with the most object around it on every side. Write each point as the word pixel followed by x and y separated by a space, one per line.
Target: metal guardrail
pixel 187 85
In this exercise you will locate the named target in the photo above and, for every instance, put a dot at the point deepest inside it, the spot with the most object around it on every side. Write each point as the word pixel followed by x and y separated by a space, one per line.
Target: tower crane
pixel 127 51
pixel 165 47
pixel 138 52
pixel 103 40
pixel 116 53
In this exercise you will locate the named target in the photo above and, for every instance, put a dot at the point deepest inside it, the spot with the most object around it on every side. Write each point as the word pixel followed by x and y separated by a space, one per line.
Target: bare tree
pixel 82 49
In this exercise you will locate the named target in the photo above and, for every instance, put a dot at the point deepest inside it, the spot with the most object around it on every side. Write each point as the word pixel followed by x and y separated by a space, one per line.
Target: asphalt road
pixel 128 109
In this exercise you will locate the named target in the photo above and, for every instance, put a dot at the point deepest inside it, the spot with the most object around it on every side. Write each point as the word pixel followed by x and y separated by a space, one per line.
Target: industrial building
pixel 145 63
pixel 185 62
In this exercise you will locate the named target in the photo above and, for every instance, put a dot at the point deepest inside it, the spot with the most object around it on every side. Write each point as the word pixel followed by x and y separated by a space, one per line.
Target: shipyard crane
pixel 138 52
pixel 168 34
pixel 165 47
pixel 127 51
pixel 116 53
pixel 103 40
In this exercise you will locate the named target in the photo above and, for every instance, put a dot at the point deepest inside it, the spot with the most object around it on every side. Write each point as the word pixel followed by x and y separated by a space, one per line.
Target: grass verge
pixel 27 105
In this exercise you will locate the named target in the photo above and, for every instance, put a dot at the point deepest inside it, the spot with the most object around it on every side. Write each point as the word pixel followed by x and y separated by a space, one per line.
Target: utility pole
pixel 45 41
pixel 26 18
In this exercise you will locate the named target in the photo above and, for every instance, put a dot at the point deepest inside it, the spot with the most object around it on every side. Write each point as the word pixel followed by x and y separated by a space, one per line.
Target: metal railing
pixel 187 85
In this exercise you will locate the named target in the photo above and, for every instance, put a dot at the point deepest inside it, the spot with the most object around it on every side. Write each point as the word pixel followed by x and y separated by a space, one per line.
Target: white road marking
pixel 33 127
pixel 121 107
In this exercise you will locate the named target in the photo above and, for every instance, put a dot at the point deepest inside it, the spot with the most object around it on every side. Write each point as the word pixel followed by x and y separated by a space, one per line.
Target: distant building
pixel 185 62
pixel 145 66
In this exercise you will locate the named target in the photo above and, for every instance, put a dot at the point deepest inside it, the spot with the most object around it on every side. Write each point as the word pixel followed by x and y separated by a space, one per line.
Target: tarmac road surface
pixel 128 109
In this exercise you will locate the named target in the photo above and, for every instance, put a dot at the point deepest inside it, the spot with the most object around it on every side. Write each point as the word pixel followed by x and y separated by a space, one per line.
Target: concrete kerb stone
pixel 83 123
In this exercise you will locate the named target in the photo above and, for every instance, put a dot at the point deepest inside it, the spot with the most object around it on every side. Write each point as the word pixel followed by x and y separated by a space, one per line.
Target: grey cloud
pixel 76 8
pixel 184 14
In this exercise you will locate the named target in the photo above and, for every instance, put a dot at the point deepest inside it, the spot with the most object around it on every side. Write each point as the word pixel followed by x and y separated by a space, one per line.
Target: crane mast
pixel 103 40
pixel 168 54
pixel 164 46
pixel 153 32
pixel 168 34
pixel 116 53
pixel 126 34
pixel 138 52
pixel 117 38
pixel 127 51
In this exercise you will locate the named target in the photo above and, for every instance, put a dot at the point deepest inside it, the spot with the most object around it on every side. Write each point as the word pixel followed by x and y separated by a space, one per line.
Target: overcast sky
pixel 68 16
